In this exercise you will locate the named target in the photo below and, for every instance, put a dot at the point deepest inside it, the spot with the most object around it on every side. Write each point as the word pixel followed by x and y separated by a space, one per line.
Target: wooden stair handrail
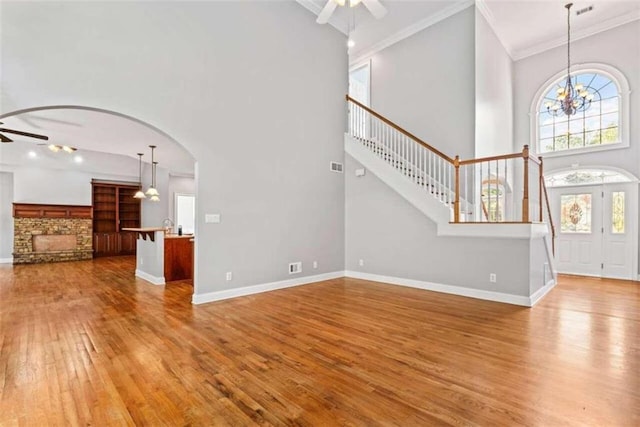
pixel 553 229
pixel 525 155
pixel 491 158
pixel 401 130
pixel 485 211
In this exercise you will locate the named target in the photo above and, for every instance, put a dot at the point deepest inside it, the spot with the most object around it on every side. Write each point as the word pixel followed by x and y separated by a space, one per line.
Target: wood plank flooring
pixel 85 343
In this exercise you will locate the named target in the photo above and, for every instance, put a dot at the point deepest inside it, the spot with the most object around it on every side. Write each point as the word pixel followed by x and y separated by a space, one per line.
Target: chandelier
pixel 572 98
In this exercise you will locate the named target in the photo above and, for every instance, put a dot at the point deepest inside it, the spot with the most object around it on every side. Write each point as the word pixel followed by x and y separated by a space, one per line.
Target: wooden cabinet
pixel 178 258
pixel 105 244
pixel 114 208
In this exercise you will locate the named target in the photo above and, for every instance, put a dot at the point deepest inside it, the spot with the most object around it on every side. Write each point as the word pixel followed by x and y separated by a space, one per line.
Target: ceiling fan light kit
pixel 56 148
pixel 374 6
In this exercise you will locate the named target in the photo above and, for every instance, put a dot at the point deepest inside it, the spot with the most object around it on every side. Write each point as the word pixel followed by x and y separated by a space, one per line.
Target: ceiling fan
pixel 5 138
pixel 374 6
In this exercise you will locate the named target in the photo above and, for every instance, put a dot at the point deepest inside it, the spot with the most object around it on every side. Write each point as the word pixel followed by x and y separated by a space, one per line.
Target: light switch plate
pixel 212 218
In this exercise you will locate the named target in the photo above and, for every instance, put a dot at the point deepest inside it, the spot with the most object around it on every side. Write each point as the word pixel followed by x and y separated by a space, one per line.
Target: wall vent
pixel 584 10
pixel 336 167
pixel 295 267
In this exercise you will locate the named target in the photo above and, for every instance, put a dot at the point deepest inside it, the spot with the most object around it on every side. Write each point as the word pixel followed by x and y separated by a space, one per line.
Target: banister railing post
pixel 456 202
pixel 525 196
pixel 540 184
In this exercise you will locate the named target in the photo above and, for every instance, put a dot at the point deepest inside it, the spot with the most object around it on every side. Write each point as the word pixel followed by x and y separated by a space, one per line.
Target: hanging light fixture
pixel 140 194
pixel 156 196
pixel 55 148
pixel 572 98
pixel 152 191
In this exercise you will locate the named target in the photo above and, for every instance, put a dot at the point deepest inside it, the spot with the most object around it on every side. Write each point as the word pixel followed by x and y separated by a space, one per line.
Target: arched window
pixel 601 125
pixel 592 176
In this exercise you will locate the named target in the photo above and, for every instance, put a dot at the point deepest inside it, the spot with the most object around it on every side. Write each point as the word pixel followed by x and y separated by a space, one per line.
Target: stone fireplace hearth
pixel 51 233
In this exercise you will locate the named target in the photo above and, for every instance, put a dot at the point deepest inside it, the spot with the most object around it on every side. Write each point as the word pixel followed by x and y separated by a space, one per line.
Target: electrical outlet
pixel 361 262
pixel 141 261
pixel 229 275
pixel 315 264
pixel 493 278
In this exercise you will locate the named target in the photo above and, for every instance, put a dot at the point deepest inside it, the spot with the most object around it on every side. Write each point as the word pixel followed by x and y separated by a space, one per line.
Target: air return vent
pixel 336 167
pixel 584 10
pixel 295 267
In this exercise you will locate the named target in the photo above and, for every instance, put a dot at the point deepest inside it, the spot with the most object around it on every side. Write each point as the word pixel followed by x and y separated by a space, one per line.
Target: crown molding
pixel 581 34
pixel 485 10
pixel 410 30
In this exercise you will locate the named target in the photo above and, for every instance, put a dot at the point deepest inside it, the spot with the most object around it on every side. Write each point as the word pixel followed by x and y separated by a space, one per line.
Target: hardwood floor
pixel 86 343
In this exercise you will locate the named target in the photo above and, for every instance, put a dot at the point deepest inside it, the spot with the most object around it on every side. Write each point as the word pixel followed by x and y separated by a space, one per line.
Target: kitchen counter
pixel 162 257
pixel 178 257
pixel 145 232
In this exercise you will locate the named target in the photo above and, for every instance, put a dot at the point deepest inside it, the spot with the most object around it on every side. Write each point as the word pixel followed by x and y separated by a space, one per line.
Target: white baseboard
pixel 264 287
pixel 149 278
pixel 540 293
pixel 447 289
pixel 6 260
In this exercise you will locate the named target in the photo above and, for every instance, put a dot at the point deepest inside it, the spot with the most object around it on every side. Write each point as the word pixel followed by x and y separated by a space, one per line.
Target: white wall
pixel 426 84
pixel 494 93
pixel 6 216
pixel 253 90
pixel 58 187
pixel 395 239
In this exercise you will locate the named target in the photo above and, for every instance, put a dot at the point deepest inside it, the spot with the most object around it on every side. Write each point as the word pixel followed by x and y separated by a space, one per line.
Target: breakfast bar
pixel 162 257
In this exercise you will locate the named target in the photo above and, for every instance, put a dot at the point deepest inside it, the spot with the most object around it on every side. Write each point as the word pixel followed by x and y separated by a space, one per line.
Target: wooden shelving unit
pixel 114 208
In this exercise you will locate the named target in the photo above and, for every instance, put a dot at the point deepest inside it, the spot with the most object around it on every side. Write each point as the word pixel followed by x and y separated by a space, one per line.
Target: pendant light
pixel 140 194
pixel 573 97
pixel 156 196
pixel 152 191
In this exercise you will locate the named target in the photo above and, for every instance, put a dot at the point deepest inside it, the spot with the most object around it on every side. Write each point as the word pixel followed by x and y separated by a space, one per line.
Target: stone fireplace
pixel 51 233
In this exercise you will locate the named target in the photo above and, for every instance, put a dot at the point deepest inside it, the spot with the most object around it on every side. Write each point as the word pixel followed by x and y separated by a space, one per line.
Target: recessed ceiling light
pixel 351 43
pixel 32 154
pixel 78 159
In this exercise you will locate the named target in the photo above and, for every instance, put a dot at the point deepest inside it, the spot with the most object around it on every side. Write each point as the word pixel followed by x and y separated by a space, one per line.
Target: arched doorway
pixel 595 212
pixel 108 143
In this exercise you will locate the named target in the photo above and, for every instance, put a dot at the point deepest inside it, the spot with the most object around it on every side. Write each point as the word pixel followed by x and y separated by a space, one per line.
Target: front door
pixel 596 229
pixel 620 207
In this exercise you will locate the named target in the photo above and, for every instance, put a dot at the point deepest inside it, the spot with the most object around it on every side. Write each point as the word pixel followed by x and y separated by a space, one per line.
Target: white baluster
pixel 499 217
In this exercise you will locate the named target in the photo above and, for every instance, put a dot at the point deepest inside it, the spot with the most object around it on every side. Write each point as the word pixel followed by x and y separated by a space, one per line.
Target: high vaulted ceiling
pixel 93 131
pixel 524 27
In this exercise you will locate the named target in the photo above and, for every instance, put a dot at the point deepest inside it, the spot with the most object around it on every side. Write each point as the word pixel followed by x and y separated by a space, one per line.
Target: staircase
pixel 500 193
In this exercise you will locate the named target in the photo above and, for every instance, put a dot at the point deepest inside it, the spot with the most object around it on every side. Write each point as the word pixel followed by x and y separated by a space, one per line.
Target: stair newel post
pixel 456 202
pixel 525 195
pixel 349 115
pixel 540 184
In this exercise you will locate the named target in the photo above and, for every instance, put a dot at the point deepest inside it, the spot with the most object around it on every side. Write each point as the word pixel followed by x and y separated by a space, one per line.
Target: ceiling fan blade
pixel 5 139
pixel 326 12
pixel 375 7
pixel 30 135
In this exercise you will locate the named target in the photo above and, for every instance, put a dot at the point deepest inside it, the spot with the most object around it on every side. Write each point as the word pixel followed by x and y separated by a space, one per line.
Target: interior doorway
pixel 595 212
